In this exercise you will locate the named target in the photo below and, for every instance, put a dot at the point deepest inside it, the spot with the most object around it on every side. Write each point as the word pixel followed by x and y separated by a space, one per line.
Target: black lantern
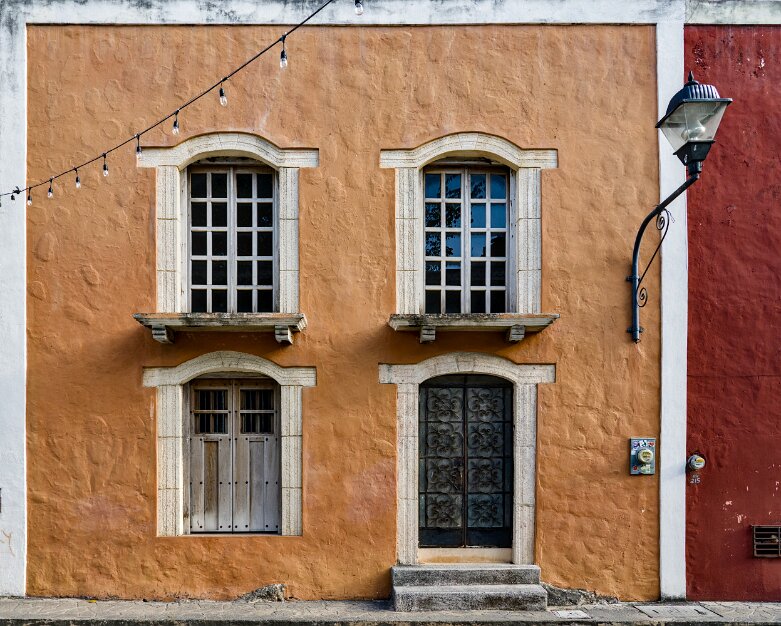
pixel 690 124
pixel 692 119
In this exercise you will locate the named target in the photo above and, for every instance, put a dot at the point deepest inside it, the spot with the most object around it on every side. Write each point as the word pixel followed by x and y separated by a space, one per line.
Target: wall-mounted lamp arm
pixel 661 215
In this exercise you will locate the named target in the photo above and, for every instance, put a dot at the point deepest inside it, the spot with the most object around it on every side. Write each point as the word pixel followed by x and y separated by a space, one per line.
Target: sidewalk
pixel 19 611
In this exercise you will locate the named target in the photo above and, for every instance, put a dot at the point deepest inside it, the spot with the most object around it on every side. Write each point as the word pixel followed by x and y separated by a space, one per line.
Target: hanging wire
pixel 174 114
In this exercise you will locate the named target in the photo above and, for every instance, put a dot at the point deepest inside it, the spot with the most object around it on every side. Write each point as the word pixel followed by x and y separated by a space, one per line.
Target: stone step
pixel 470 598
pixel 466 574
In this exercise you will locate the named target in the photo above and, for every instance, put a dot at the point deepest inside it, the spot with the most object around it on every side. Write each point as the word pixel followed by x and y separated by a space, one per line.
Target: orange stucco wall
pixel 588 92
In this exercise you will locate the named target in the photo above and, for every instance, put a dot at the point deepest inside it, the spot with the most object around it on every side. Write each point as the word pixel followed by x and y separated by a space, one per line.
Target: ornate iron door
pixel 466 462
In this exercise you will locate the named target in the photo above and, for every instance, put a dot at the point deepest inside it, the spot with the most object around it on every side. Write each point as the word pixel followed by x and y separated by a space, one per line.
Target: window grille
pixel 232 244
pixel 767 541
pixel 466 240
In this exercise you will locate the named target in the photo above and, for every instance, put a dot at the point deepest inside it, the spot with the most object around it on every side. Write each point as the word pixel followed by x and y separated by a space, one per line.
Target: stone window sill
pixel 515 325
pixel 165 325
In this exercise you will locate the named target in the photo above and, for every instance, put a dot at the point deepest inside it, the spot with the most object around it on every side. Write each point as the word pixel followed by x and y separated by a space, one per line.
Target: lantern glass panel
pixel 693 121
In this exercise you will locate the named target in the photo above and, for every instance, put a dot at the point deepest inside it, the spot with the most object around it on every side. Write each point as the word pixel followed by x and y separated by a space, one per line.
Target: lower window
pixel 234 456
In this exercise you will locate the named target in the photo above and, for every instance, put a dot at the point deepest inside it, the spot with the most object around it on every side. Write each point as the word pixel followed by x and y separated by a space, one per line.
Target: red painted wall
pixel 734 370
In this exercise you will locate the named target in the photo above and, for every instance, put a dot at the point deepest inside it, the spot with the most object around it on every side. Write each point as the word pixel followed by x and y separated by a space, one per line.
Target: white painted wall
pixel 669 15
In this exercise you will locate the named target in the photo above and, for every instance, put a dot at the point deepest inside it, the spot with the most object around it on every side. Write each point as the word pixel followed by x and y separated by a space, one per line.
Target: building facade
pixel 372 312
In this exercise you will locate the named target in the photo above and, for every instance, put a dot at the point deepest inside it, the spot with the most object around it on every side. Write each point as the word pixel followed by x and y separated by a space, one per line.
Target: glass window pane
pixel 433 186
pixel 219 301
pixel 244 244
pixel 452 185
pixel 499 215
pixel 243 185
pixel 453 215
pixel 478 301
pixel 497 245
pixel 265 189
pixel 478 185
pixel 433 304
pixel 498 186
pixel 478 215
pixel 478 273
pixel 433 244
pixel 220 423
pixel 198 243
pixel 497 274
pixel 198 301
pixel 265 214
pixel 265 244
pixel 219 244
pixel 478 244
pixel 433 214
pixel 198 273
pixel 198 214
pixel 244 301
pixel 453 244
pixel 219 214
pixel 198 186
pixel 453 274
pixel 244 214
pixel 244 273
pixel 219 272
pixel 433 273
pixel 452 302
pixel 265 273
pixel 219 185
pixel 265 301
pixel 497 302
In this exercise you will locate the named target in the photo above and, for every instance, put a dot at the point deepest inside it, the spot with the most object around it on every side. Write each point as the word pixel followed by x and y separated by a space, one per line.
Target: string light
pixel 50 193
pixel 283 55
pixel 358 7
pixel 283 62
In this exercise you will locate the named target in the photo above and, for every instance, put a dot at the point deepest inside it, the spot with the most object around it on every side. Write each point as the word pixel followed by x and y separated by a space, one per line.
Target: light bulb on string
pixel 138 146
pixel 283 55
pixel 78 180
pixel 29 197
pixel 223 97
pixel 50 193
pixel 358 7
pixel 175 129
pixel 105 165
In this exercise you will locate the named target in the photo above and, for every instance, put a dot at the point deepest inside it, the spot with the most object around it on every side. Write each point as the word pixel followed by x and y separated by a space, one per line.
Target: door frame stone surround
pixel 524 378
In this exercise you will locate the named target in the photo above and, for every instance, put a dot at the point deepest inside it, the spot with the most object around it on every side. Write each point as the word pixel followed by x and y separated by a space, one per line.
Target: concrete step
pixel 466 574
pixel 470 598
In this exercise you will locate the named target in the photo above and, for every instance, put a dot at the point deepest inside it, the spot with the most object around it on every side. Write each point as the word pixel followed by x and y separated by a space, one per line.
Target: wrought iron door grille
pixel 466 462
pixel 767 541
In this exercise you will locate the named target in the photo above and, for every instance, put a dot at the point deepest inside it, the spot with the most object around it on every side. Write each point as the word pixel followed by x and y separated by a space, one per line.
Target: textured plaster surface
pixel 734 316
pixel 349 93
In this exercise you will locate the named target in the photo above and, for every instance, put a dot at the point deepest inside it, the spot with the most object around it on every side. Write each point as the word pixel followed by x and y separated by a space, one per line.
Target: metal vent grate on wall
pixel 767 541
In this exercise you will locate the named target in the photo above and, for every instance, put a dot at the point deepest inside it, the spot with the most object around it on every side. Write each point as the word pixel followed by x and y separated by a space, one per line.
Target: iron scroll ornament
pixel 662 217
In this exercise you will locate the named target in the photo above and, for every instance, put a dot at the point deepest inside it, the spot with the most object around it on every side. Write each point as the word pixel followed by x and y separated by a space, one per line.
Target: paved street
pixel 17 611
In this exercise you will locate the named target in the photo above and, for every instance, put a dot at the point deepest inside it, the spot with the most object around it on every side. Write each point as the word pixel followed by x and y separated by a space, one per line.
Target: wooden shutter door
pixel 210 459
pixel 257 493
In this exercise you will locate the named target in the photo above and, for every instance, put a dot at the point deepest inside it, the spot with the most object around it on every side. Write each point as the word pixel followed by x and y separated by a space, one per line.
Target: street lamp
pixel 690 124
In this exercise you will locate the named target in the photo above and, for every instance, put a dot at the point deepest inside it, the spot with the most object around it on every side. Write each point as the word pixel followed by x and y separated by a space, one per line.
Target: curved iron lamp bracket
pixel 662 217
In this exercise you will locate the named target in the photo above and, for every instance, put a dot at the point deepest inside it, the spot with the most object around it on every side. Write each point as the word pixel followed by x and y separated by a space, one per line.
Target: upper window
pixel 232 238
pixel 466 240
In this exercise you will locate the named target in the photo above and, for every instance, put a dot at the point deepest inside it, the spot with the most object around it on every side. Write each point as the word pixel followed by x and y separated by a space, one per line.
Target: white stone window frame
pixel 173 430
pixel 524 378
pixel 525 232
pixel 172 209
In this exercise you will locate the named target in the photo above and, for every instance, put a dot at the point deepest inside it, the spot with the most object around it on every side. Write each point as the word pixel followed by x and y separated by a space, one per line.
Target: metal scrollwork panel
pixel 466 477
